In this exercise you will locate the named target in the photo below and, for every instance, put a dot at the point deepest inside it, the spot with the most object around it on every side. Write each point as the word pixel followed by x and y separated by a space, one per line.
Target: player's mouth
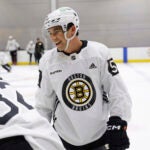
pixel 57 43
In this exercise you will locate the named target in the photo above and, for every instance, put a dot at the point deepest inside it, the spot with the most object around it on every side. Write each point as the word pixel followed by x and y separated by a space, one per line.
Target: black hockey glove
pixel 116 135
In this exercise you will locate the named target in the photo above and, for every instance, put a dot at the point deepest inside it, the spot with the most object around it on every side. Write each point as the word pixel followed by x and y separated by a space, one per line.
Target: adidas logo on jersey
pixel 92 66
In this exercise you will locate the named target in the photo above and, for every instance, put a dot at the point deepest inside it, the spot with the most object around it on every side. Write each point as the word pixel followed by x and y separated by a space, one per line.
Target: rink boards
pixel 120 55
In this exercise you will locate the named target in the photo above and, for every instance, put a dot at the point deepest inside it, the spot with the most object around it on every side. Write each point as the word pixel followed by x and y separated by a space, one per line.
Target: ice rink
pixel 137 79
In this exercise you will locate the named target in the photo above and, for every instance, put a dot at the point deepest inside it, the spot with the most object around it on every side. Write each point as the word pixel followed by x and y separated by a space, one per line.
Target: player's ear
pixel 72 30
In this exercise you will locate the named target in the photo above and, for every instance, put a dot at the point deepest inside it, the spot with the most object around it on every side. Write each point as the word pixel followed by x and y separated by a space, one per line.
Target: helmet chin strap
pixel 69 39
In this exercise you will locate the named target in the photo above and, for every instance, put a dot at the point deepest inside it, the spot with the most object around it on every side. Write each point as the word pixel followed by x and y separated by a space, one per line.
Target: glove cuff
pixel 118 121
pixel 115 118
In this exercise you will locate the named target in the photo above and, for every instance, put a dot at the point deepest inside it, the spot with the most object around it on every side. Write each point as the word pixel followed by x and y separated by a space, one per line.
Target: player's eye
pixel 55 32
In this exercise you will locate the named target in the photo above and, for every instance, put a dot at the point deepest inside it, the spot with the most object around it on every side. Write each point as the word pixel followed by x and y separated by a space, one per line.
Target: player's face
pixel 57 37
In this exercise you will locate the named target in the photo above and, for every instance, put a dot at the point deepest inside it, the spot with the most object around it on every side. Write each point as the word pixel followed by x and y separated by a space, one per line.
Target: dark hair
pixel 70 25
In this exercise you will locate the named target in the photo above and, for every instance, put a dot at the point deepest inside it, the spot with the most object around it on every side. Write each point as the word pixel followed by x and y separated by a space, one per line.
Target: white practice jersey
pixel 12 45
pixel 19 118
pixel 81 89
pixel 30 48
pixel 4 58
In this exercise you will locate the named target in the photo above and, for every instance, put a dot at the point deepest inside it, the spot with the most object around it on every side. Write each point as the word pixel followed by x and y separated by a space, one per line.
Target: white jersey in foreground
pixel 80 89
pixel 19 118
pixel 4 58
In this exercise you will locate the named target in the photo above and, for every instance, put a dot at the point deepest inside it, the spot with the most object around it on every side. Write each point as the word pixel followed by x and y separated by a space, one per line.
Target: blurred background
pixel 116 23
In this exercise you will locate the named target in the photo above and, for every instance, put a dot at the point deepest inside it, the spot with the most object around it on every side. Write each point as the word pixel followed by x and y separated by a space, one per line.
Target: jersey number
pixel 112 67
pixel 40 78
pixel 13 108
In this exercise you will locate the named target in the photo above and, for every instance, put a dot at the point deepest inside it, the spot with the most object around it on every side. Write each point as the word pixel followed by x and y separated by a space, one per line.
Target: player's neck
pixel 74 46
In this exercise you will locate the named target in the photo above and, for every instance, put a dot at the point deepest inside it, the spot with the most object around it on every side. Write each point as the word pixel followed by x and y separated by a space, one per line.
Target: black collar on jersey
pixel 84 44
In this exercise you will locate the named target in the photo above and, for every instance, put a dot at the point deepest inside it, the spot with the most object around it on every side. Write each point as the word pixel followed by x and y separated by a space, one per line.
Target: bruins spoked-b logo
pixel 78 92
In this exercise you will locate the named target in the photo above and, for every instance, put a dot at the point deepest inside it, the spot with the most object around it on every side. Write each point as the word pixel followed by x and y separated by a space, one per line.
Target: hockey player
pixel 39 50
pixel 30 50
pixel 4 61
pixel 21 126
pixel 12 46
pixel 80 87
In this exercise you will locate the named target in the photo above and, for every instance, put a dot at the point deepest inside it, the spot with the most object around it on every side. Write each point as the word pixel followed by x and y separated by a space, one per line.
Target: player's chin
pixel 60 49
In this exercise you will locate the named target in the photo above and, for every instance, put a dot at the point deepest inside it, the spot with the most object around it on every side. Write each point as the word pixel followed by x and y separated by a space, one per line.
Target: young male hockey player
pixel 21 126
pixel 80 87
